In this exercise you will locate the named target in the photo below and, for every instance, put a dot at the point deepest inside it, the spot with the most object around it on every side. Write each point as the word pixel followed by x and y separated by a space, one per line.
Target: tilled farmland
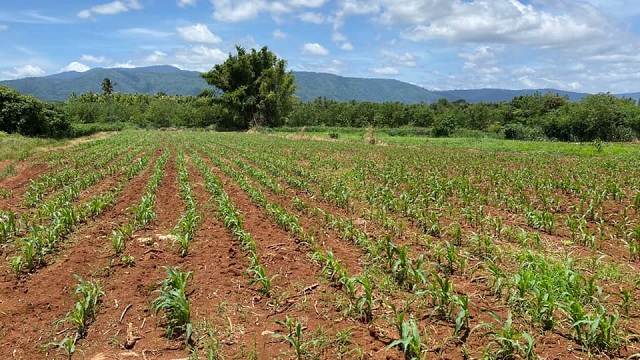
pixel 172 245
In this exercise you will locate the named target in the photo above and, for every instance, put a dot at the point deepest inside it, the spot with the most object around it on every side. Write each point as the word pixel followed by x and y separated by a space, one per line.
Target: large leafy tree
pixel 256 88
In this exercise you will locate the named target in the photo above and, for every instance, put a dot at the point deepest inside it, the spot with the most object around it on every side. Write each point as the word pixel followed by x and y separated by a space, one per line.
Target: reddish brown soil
pixel 222 301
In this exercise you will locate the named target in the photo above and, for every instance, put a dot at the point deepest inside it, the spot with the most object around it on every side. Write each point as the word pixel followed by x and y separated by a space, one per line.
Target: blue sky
pixel 587 46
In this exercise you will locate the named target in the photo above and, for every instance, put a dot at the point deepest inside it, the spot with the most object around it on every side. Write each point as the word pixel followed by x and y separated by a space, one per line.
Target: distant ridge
pixel 311 85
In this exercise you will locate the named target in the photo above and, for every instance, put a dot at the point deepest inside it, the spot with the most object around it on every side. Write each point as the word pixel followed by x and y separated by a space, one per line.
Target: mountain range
pixel 311 85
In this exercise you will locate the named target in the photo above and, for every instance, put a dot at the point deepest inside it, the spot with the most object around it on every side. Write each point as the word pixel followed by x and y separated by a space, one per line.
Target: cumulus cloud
pixel 185 3
pixel 507 22
pixel 112 8
pixel 385 70
pixel 198 33
pixel 23 71
pixel 483 60
pixel 279 34
pixel 200 57
pixel 314 49
pixel 75 66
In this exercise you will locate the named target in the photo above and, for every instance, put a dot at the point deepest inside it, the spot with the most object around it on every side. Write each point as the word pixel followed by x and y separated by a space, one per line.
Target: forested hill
pixel 149 80
pixel 311 85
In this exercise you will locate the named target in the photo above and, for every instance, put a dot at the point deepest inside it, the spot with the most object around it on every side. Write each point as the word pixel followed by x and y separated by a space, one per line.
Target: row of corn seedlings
pixel 97 158
pixel 41 240
pixel 232 220
pixel 13 223
pixel 143 212
pixel 190 218
pixel 88 297
pixel 174 304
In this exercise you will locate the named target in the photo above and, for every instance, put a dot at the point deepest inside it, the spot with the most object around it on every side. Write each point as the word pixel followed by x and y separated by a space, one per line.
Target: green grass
pixel 17 147
pixel 408 137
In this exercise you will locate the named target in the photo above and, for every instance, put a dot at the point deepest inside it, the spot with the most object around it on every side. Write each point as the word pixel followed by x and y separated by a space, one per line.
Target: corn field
pixel 206 245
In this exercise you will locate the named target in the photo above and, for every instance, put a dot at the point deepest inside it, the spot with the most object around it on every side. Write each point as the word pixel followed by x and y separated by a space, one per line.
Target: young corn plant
pixel 294 336
pixel 260 276
pixel 172 301
pixel 365 303
pixel 596 331
pixel 88 294
pixel 505 339
pixel 442 295
pixel 410 341
pixel 67 345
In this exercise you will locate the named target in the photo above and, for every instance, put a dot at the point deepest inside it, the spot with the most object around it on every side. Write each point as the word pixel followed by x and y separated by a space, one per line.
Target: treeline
pixel 143 110
pixel 528 117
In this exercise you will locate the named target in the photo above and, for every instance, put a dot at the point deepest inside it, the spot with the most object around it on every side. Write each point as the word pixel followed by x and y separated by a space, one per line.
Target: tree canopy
pixel 26 115
pixel 256 88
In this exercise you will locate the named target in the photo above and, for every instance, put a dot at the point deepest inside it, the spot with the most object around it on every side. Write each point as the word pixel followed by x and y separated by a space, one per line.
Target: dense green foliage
pixel 527 117
pixel 256 89
pixel 145 111
pixel 26 115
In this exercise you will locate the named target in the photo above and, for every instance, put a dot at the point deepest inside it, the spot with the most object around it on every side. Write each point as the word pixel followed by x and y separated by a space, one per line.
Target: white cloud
pixel 200 58
pixel 338 36
pixel 185 3
pixel 385 70
pixel 112 8
pixel 23 71
pixel 312 17
pixel 510 21
pixel 93 59
pixel 75 66
pixel 354 7
pixel 314 49
pixel 346 46
pixel 236 11
pixel 198 33
pixel 3 27
pixel 407 59
pixel 279 34
pixel 341 40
